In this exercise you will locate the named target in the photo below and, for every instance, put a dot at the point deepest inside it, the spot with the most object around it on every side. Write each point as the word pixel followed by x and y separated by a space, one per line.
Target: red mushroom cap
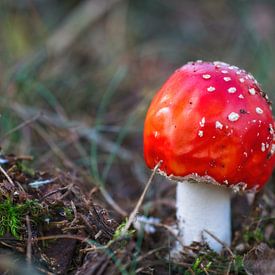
pixel 211 120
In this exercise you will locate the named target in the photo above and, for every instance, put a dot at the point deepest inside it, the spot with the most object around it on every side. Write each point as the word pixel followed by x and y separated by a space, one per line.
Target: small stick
pixel 29 241
pixel 75 213
pixel 73 228
pixel 7 176
pixel 72 237
pixel 22 125
pixel 111 202
pixel 220 242
pixel 134 212
pixel 53 192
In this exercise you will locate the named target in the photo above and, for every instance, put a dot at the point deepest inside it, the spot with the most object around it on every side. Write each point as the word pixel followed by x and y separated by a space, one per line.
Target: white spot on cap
pixel 252 91
pixel 156 134
pixel 206 76
pixel 238 72
pixel 245 154
pixel 163 110
pixel 202 122
pixel 200 133
pixel 165 98
pixel 233 68
pixel 263 147
pixel 259 110
pixel 271 130
pixel 224 71
pixel 211 89
pixel 227 78
pixel 233 116
pixel 241 96
pixel 218 125
pixel 231 90
pixel 242 80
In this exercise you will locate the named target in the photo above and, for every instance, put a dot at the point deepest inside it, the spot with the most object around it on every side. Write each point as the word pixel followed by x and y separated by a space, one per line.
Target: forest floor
pixel 50 224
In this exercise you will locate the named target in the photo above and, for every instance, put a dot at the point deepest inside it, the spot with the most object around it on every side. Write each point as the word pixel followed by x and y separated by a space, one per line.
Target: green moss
pixel 25 169
pixel 68 213
pixel 12 216
pixel 198 267
pixel 120 229
pixel 238 266
pixel 254 236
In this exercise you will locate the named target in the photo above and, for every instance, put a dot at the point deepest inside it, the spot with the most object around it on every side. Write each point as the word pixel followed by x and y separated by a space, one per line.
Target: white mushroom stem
pixel 201 207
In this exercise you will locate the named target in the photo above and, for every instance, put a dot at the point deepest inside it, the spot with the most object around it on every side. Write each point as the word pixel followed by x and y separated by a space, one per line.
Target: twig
pixel 101 221
pixel 23 157
pixel 7 176
pixel 57 151
pixel 54 192
pixel 75 213
pixel 29 241
pixel 52 237
pixel 172 232
pixel 229 268
pixel 136 209
pixel 77 227
pixel 111 202
pixel 21 125
pixel 69 190
pixel 220 242
pixel 149 253
pixel 85 220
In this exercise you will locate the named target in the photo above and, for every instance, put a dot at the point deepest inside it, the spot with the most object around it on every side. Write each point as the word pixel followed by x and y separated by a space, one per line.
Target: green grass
pixel 105 101
pixel 13 215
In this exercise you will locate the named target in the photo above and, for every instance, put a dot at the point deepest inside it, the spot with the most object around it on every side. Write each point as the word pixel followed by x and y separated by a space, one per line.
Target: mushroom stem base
pixel 201 207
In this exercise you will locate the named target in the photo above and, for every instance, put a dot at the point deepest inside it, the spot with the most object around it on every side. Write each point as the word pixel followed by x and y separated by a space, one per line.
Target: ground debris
pixel 61 218
pixel 60 228
pixel 94 264
pixel 260 260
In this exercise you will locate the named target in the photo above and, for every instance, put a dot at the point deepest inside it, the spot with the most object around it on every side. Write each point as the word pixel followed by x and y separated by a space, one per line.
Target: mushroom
pixel 211 125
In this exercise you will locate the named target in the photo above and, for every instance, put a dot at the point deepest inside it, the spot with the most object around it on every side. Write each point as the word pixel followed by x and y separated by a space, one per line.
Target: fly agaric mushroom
pixel 211 125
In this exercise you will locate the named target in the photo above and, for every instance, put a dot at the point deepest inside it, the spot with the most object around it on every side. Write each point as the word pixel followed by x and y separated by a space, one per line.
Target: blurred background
pixel 77 76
